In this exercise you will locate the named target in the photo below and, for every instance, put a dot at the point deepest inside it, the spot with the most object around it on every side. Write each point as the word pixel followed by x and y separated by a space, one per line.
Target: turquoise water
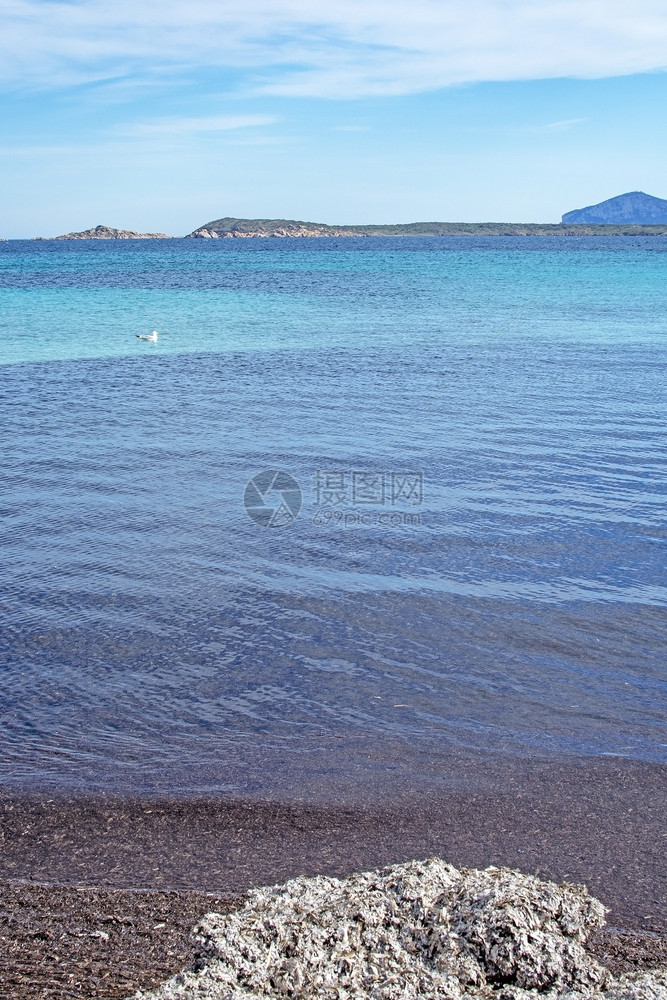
pixel 78 300
pixel 476 429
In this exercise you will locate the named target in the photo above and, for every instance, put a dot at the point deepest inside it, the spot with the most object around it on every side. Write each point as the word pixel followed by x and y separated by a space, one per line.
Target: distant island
pixel 107 233
pixel 632 208
pixel 631 214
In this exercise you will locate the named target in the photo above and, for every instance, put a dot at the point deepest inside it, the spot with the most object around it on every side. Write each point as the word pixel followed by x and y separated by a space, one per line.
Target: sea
pixel 366 507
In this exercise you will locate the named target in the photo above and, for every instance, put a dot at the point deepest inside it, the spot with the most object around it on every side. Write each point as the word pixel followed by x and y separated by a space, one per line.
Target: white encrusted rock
pixel 641 986
pixel 422 929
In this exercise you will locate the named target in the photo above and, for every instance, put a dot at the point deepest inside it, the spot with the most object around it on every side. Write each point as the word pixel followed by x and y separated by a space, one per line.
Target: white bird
pixel 152 337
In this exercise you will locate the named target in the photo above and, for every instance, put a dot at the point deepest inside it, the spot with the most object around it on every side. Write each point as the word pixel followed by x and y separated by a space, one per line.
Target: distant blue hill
pixel 633 208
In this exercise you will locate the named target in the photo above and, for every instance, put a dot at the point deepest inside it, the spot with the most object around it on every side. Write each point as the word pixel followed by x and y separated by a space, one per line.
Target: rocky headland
pixel 231 228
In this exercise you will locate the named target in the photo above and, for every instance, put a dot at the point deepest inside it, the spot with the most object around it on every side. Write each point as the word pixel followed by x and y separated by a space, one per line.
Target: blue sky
pixel 161 116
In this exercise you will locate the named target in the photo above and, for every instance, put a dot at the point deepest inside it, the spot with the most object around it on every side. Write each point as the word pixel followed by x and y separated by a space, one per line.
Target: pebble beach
pixel 100 896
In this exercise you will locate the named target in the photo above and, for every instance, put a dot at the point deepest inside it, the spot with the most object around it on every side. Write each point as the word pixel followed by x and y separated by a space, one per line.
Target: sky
pixel 160 116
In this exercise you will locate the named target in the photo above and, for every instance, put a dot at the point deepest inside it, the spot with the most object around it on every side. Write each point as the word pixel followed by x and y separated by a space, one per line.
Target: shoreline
pixel 587 232
pixel 601 821
pixel 100 892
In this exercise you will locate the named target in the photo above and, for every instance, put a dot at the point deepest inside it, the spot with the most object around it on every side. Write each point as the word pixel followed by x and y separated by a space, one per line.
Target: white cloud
pixel 337 48
pixel 182 126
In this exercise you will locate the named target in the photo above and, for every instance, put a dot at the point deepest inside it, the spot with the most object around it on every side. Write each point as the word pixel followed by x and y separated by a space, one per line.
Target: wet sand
pixel 138 870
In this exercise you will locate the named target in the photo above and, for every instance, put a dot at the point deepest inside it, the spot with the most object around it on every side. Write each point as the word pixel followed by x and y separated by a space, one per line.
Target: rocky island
pixel 107 233
pixel 631 208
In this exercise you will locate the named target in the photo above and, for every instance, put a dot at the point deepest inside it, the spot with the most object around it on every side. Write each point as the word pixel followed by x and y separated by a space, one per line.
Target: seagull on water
pixel 150 337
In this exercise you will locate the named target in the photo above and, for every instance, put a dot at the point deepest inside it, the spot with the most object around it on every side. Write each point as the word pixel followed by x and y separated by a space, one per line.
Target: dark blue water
pixel 477 429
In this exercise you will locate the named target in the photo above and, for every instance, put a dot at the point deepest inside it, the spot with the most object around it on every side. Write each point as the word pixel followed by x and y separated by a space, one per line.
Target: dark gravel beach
pixel 58 942
pixel 99 894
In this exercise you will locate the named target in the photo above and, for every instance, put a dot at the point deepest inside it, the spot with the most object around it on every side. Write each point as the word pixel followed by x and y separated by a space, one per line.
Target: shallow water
pixel 477 428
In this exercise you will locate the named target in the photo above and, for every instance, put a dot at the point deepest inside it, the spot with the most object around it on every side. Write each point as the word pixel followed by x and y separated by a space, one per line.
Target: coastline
pixel 140 870
pixel 287 229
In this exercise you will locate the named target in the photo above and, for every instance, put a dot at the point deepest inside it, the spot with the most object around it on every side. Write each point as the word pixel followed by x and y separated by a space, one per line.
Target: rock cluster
pixel 107 233
pixel 422 929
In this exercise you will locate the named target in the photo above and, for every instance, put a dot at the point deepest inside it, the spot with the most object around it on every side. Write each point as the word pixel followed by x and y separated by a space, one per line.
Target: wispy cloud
pixel 344 49
pixel 563 126
pixel 183 126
